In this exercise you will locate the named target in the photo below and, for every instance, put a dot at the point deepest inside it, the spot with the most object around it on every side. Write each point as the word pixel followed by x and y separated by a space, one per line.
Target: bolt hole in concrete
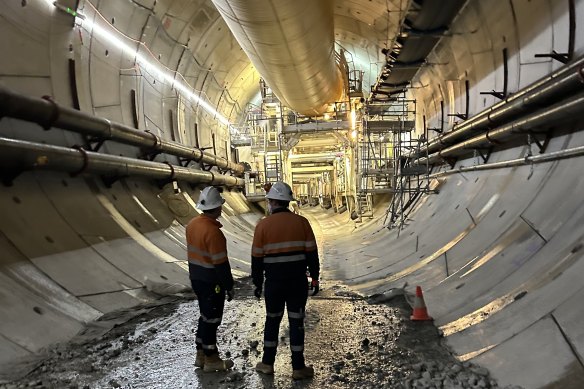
pixel 163 277
pixel 65 184
pixel 352 342
pixel 37 310
pixel 502 213
pixel 16 199
pixel 49 239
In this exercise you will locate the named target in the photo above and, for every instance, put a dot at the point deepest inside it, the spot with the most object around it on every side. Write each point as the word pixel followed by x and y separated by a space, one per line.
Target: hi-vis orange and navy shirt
pixel 283 246
pixel 208 252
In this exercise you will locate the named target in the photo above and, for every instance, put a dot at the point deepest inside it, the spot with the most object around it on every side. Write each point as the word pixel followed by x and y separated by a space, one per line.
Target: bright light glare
pixel 353 118
pixel 354 134
pixel 157 71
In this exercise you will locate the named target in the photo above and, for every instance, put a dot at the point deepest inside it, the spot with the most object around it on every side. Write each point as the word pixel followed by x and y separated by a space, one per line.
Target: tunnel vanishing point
pixel 441 141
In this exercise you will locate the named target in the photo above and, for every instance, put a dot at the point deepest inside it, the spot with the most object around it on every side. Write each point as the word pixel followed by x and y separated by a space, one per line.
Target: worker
pixel 283 247
pixel 210 275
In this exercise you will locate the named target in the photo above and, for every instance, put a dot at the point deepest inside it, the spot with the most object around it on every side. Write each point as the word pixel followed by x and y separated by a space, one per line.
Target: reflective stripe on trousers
pixel 292 295
pixel 211 306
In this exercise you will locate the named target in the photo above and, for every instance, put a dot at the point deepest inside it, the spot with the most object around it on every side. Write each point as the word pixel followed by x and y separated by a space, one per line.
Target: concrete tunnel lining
pixel 74 249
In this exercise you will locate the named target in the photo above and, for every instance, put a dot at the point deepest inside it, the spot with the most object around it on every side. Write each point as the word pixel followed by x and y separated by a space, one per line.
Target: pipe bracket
pixel 491 140
pixel 85 161
pixel 54 113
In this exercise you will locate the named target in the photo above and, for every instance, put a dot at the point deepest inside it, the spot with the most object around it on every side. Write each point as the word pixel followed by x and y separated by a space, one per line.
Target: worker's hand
pixel 258 292
pixel 315 285
pixel 230 294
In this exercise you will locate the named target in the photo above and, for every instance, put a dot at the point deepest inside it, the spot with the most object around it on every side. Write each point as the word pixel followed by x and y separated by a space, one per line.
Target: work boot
pixel 264 368
pixel 304 373
pixel 215 363
pixel 200 359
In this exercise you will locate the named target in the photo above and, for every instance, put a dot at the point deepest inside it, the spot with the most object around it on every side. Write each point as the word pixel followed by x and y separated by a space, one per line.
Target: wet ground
pixel 351 344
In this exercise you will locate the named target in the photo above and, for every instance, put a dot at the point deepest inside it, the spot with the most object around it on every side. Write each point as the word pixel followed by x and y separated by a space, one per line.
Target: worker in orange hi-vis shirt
pixel 210 275
pixel 283 248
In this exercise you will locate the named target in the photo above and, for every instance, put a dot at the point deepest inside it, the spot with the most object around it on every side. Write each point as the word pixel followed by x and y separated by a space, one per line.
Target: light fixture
pixel 354 134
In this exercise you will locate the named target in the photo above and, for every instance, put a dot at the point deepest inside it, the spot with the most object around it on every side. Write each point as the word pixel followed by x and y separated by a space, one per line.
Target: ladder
pixel 272 166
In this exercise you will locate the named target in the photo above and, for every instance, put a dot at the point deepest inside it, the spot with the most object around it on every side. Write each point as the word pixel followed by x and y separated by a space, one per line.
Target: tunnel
pixel 429 143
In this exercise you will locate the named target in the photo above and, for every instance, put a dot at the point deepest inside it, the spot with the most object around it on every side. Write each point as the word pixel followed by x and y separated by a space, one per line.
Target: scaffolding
pixel 264 126
pixel 384 127
pixel 410 180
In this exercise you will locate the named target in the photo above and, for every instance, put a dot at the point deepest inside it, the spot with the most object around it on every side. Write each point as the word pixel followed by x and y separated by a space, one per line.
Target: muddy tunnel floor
pixel 350 343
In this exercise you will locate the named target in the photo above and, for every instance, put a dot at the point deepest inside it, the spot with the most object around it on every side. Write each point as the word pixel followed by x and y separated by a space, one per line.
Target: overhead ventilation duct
pixel 291 44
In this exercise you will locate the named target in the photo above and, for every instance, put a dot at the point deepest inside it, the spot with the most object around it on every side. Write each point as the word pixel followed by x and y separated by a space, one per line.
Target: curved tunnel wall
pixel 498 253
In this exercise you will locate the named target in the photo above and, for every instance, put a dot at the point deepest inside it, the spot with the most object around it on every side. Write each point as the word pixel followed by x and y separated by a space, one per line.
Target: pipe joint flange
pixel 54 113
pixel 85 161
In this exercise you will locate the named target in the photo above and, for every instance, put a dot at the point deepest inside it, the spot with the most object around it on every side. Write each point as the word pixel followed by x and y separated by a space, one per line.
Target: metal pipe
pixel 548 157
pixel 50 114
pixel 317 157
pixel 559 84
pixel 19 155
pixel 291 44
pixel 556 113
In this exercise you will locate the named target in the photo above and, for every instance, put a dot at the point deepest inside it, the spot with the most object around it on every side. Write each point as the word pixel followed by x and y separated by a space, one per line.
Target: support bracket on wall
pixel 93 143
pixel 499 95
pixel 561 57
pixel 461 116
pixel 503 94
pixel 441 129
pixel 542 140
pixel 108 181
pixel 451 161
pixel 484 153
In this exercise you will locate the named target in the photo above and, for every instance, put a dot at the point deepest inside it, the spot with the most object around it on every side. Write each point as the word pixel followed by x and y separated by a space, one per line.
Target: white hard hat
pixel 210 199
pixel 280 191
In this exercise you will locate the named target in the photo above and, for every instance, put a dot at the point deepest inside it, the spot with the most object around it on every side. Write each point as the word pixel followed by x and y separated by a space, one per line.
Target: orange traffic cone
pixel 420 311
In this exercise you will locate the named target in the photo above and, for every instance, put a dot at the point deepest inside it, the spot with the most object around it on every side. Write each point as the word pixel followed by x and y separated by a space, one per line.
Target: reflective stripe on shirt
pixel 285 258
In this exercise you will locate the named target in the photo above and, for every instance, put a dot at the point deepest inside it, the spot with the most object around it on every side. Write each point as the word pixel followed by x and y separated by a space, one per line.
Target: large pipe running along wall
pixel 558 85
pixel 17 156
pixel 291 44
pixel 50 114
pixel 559 113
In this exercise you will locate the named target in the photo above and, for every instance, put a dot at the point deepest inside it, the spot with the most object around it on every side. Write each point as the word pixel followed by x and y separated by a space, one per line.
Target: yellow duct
pixel 291 44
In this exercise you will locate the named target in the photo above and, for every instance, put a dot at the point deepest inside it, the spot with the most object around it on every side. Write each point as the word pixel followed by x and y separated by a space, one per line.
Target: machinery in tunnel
pixel 440 143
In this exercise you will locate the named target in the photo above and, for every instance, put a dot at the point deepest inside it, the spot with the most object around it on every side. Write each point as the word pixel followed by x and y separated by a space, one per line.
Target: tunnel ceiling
pixel 363 28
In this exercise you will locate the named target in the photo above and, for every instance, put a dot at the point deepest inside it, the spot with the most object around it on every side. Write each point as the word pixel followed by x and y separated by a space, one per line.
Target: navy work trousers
pixel 211 302
pixel 291 294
